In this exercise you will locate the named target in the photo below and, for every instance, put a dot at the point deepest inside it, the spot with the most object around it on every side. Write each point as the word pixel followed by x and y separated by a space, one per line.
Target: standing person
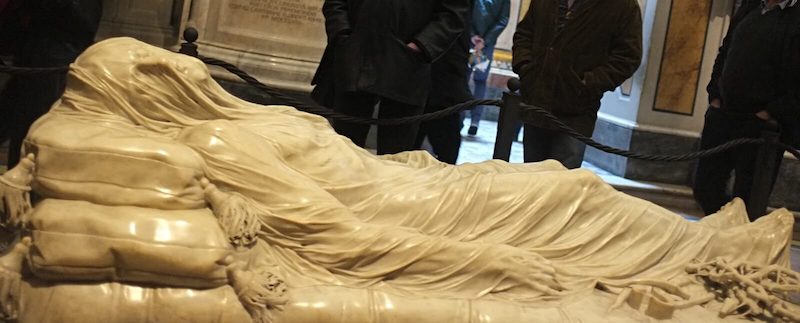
pixel 489 19
pixel 381 52
pixel 54 33
pixel 568 53
pixel 756 78
pixel 450 86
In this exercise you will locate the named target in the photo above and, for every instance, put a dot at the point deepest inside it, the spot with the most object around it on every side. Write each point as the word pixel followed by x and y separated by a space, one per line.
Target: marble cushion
pixel 80 241
pixel 111 163
pixel 113 302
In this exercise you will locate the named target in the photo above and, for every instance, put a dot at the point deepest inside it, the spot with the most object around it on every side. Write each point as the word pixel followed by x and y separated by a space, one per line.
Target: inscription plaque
pixel 278 41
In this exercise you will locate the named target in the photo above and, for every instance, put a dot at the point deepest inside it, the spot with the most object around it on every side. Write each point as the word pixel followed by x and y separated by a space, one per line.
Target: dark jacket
pixel 49 33
pixel 762 71
pixel 568 72
pixel 489 19
pixel 55 32
pixel 367 49
pixel 449 75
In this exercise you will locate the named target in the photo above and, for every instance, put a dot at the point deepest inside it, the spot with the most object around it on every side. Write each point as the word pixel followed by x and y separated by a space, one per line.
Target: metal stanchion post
pixel 190 35
pixel 764 170
pixel 510 114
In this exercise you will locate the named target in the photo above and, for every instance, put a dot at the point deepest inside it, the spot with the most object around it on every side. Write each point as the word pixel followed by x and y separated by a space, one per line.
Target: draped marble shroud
pixel 334 214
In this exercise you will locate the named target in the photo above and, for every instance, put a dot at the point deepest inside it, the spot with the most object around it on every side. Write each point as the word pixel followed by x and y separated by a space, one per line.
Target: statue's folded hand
pixel 524 273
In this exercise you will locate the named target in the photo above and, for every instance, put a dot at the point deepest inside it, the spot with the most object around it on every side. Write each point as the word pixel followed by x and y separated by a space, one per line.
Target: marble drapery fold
pixel 334 214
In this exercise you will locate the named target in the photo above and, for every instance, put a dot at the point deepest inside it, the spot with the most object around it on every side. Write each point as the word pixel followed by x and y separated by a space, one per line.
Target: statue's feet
pixel 731 215
pixel 763 242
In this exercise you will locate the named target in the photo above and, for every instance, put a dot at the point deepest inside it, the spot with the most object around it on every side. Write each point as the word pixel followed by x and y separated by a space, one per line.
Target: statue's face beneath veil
pixel 119 57
pixel 152 82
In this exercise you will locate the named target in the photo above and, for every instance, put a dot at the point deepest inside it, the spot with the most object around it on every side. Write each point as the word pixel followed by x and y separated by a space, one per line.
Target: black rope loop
pixel 661 158
pixel 326 112
pixel 16 70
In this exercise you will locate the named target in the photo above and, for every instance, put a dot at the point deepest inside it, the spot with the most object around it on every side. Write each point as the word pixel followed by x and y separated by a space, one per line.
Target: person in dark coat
pixel 380 52
pixel 568 53
pixel 53 34
pixel 449 87
pixel 756 78
pixel 489 19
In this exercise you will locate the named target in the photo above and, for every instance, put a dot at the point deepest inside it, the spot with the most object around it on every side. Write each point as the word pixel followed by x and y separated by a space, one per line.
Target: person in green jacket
pixel 489 19
pixel 568 53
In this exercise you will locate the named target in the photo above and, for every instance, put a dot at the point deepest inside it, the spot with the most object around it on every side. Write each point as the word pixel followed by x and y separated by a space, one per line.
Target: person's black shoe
pixel 473 130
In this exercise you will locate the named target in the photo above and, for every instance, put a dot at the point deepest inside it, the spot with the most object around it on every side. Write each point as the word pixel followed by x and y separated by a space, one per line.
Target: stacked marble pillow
pixel 122 232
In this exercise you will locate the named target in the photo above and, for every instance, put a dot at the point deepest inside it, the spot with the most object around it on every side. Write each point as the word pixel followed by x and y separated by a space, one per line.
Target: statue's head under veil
pixel 150 86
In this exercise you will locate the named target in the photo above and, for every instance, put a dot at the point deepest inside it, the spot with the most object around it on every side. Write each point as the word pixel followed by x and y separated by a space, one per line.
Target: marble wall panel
pixel 613 135
pixel 683 56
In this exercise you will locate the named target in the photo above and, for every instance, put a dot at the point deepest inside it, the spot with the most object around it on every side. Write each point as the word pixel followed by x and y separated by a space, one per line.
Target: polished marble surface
pixel 683 56
pixel 479 148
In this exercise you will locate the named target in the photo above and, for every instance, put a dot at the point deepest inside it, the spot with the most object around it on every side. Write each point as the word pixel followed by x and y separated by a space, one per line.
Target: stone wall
pixel 158 22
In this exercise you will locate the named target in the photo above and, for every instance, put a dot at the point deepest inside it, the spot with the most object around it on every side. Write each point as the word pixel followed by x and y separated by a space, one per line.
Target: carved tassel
pixel 10 279
pixel 9 294
pixel 237 215
pixel 259 291
pixel 15 200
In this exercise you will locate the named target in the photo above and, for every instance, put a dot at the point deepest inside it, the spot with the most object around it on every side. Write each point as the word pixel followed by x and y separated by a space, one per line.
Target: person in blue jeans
pixel 489 19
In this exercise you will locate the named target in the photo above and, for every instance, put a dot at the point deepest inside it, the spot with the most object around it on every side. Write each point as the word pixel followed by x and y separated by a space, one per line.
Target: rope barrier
pixel 325 112
pixel 25 71
pixel 662 158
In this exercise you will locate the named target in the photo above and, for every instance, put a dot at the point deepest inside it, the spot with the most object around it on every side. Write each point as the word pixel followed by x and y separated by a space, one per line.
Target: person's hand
pixel 715 103
pixel 763 115
pixel 414 47
pixel 478 42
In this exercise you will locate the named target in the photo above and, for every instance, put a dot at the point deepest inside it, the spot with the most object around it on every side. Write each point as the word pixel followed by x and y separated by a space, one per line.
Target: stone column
pixel 279 42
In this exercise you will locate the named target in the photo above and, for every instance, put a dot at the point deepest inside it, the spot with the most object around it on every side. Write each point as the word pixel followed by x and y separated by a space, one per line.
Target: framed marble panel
pixel 278 41
pixel 682 58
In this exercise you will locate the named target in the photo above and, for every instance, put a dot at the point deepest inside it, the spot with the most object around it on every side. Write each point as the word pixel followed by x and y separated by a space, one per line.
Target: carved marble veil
pixel 331 219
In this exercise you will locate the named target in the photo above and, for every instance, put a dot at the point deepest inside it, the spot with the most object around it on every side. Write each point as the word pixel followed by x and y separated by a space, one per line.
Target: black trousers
pixel 391 139
pixel 542 144
pixel 443 134
pixel 713 173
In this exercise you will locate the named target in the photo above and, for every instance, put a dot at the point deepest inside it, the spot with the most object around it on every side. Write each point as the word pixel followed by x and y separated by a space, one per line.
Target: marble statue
pixel 159 190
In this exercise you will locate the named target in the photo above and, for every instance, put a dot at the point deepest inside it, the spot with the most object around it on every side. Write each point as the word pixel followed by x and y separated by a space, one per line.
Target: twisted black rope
pixel 325 112
pixel 16 70
pixel 663 158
